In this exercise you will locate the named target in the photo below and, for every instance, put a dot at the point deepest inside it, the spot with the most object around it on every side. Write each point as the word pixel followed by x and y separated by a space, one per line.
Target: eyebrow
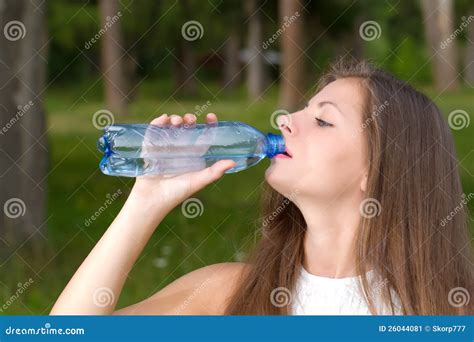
pixel 323 103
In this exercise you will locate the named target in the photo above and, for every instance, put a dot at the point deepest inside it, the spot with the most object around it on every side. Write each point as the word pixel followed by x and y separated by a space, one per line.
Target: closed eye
pixel 322 123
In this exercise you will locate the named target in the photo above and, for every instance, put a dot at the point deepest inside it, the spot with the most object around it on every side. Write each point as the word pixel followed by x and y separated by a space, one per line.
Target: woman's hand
pixel 150 200
pixel 168 190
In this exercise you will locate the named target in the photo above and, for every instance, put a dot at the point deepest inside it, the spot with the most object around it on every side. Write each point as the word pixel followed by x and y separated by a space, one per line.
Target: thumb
pixel 222 166
pixel 211 173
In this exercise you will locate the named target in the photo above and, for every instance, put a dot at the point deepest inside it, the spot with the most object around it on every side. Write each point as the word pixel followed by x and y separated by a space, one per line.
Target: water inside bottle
pixel 175 161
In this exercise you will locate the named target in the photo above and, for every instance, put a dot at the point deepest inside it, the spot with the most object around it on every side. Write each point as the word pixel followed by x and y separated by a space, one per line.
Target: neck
pixel 329 242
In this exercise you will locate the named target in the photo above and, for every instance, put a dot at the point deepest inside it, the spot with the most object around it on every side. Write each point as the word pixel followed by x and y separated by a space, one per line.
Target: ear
pixel 363 183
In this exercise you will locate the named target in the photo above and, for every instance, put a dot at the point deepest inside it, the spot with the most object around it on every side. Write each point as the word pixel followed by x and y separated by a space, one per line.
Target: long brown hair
pixel 415 242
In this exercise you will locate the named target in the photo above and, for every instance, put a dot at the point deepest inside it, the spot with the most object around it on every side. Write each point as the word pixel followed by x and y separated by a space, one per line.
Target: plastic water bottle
pixel 141 149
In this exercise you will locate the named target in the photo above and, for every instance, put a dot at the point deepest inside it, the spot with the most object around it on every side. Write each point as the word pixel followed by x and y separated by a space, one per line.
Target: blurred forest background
pixel 68 68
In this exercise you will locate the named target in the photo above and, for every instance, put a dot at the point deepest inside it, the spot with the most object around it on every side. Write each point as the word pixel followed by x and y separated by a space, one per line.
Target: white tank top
pixel 317 295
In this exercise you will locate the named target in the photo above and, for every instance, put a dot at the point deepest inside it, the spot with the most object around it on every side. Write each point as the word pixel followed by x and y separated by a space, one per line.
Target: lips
pixel 285 155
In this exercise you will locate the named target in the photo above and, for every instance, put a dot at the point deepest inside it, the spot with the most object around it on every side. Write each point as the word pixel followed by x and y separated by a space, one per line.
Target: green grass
pixel 77 189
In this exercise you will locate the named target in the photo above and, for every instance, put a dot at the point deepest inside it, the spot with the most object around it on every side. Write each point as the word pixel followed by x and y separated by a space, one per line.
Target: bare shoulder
pixel 200 292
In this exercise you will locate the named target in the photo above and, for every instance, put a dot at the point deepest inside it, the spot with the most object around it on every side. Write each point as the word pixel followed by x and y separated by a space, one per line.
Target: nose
pixel 284 123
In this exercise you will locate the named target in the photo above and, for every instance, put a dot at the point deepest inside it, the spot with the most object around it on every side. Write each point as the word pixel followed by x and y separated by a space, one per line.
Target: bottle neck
pixel 104 145
pixel 275 145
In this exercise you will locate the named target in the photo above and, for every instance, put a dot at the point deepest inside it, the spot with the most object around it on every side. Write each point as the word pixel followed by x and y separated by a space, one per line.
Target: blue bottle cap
pixel 275 145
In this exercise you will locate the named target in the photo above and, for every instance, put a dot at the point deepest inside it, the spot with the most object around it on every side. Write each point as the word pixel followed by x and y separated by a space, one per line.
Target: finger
pixel 189 119
pixel 211 118
pixel 176 120
pixel 161 120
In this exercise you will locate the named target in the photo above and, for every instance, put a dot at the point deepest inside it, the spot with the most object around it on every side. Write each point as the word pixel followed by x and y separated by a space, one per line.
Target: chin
pixel 282 182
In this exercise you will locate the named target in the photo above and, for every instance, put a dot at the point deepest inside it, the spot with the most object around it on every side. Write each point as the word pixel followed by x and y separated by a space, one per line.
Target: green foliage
pixel 409 62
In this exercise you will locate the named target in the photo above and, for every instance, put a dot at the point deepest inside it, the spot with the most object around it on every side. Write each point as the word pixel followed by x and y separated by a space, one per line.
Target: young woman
pixel 355 222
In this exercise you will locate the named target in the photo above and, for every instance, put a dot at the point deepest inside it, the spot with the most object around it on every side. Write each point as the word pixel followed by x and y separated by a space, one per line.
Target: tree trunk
pixel 23 143
pixel 469 55
pixel 186 63
pixel 256 68
pixel 112 53
pixel 438 18
pixel 231 67
pixel 130 71
pixel 292 61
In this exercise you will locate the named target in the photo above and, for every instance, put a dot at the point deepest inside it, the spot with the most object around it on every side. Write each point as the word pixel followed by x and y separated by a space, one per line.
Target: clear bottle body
pixel 140 149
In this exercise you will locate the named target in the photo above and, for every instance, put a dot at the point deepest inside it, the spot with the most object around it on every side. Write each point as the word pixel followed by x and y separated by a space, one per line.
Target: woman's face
pixel 327 144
